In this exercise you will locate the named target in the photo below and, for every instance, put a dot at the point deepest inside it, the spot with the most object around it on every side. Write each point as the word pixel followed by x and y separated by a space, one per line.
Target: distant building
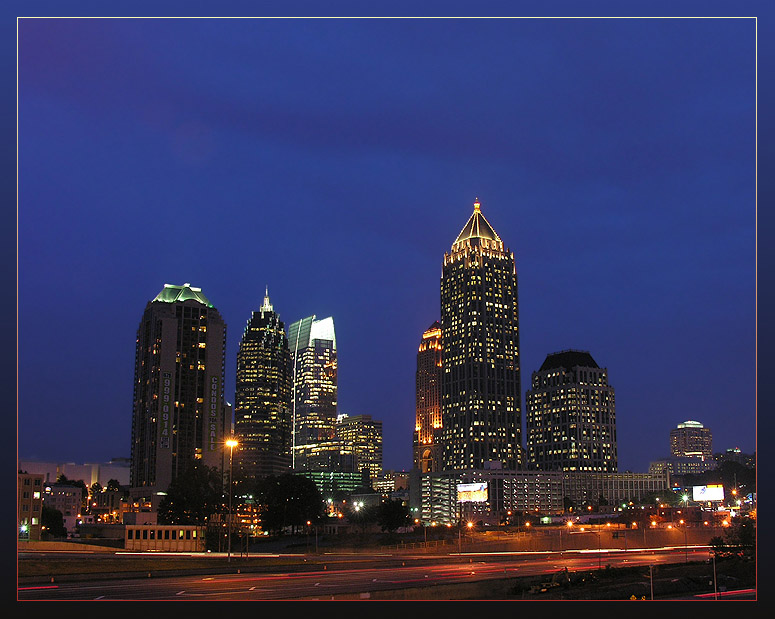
pixel 331 482
pixel 364 435
pixel 29 506
pixel 312 344
pixel 262 403
pixel 90 474
pixel 68 500
pixel 179 414
pixel 682 465
pixel 428 448
pixel 571 415
pixel 734 454
pixel 691 440
pixel 489 495
pixel 480 388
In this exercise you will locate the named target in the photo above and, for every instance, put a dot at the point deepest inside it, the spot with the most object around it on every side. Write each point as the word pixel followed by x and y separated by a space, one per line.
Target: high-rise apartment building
pixel 571 415
pixel 364 435
pixel 480 387
pixel 692 440
pixel 312 344
pixel 427 431
pixel 262 399
pixel 179 417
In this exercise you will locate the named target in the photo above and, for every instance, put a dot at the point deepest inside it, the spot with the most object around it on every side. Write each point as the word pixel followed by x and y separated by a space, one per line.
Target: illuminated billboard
pixel 708 493
pixel 472 493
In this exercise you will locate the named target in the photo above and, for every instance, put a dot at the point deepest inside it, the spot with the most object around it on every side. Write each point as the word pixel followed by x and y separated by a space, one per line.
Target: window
pixel 129 533
pixel 188 534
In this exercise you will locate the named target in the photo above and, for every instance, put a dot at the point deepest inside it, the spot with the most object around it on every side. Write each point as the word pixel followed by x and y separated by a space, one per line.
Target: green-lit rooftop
pixel 172 293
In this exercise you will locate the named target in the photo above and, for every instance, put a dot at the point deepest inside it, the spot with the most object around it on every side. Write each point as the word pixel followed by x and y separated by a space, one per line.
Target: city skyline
pixel 616 158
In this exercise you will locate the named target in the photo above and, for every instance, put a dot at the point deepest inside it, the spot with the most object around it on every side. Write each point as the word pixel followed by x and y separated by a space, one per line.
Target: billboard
pixel 472 493
pixel 708 493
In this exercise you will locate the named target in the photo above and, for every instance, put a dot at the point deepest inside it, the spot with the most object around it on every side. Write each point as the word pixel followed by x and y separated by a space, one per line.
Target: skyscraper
pixel 312 345
pixel 179 416
pixel 691 439
pixel 262 402
pixel 427 431
pixel 571 415
pixel 480 388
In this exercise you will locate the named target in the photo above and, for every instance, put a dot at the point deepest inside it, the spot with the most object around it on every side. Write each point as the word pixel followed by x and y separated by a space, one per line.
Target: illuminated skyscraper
pixel 179 415
pixel 364 435
pixel 262 402
pixel 480 387
pixel 571 415
pixel 691 439
pixel 312 344
pixel 427 431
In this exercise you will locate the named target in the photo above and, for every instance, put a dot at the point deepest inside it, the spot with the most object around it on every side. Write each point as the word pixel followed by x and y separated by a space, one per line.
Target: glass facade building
pixel 312 344
pixel 262 399
pixel 480 388
pixel 364 435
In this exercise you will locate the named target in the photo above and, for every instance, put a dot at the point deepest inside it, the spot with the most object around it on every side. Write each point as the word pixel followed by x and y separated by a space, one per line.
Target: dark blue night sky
pixel 336 160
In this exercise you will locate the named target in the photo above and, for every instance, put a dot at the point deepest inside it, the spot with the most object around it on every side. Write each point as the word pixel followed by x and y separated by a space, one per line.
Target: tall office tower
pixel 312 344
pixel 571 415
pixel 480 387
pixel 427 427
pixel 364 435
pixel 179 416
pixel 262 402
pixel 691 439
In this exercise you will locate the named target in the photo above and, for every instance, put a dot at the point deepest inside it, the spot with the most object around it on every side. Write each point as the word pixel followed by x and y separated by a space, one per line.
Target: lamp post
pixel 231 444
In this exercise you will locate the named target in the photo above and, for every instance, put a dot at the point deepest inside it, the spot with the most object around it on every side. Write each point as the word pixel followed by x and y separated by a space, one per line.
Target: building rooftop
pixel 172 294
pixel 568 359
pixel 477 227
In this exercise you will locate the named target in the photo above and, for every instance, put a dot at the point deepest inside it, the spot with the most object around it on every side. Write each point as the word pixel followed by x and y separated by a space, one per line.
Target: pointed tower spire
pixel 267 306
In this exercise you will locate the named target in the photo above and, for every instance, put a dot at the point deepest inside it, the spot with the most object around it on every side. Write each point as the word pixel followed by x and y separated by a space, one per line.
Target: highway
pixel 340 580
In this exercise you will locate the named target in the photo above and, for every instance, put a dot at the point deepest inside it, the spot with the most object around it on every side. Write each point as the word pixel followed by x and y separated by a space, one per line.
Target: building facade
pixel 678 466
pixel 179 414
pixel 66 499
pixel 262 398
pixel 691 439
pixel 427 445
pixel 480 387
pixel 446 497
pixel 364 435
pixel 571 415
pixel 29 506
pixel 312 345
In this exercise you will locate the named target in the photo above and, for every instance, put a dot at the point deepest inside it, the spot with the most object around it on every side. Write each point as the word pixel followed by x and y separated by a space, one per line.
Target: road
pixel 334 581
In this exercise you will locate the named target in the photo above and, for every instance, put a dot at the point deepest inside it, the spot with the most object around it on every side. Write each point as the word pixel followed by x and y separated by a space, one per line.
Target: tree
pixel 287 501
pixel 393 515
pixel 96 488
pixel 53 523
pixel 113 485
pixel 192 497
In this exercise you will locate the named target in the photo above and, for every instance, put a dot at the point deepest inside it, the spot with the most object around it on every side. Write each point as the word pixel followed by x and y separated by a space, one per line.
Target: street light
pixel 231 444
